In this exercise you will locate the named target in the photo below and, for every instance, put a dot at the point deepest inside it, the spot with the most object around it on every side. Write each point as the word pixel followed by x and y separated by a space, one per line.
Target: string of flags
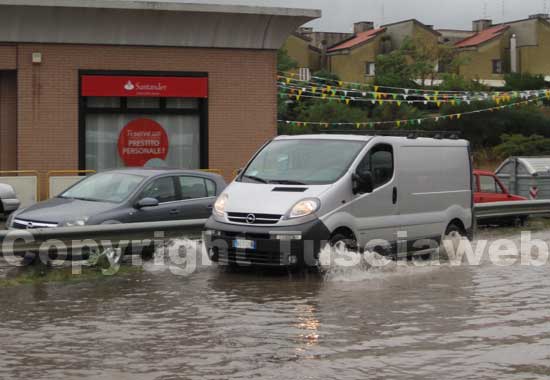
pixel 408 122
pixel 365 90
pixel 328 93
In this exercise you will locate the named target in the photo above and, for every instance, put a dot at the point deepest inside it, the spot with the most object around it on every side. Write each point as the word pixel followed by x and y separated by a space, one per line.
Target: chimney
pixel 305 31
pixel 362 26
pixel 514 54
pixel 481 25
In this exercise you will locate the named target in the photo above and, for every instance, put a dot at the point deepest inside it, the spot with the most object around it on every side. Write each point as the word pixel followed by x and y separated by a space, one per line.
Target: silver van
pixel 299 193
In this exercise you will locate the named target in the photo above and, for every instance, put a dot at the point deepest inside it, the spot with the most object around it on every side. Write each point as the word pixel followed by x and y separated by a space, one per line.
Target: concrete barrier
pixel 58 184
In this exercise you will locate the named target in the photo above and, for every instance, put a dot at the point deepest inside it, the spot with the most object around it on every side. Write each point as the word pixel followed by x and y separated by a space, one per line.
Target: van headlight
pixel 304 208
pixel 219 206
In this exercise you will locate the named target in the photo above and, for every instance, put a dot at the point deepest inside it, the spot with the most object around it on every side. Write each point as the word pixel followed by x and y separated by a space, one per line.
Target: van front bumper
pixel 295 246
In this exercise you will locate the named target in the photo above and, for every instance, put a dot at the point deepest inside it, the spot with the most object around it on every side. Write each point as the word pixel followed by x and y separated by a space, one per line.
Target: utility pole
pixel 485 15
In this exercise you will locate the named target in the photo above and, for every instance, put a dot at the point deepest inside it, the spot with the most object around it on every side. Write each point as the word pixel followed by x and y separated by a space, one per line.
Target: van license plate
pixel 244 244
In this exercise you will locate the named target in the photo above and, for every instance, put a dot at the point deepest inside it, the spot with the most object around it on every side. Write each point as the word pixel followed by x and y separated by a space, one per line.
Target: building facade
pixel 521 46
pixel 137 83
pixel 354 60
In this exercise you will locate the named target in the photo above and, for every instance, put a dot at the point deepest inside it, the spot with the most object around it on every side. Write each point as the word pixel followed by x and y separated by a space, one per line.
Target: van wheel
pixel 340 240
pixel 454 234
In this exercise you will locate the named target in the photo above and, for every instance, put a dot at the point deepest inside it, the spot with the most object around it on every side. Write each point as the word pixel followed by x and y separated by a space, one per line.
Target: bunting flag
pixel 361 89
pixel 356 96
pixel 412 122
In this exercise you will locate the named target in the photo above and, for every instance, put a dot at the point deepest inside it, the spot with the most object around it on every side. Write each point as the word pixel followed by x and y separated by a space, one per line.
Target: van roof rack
pixel 411 134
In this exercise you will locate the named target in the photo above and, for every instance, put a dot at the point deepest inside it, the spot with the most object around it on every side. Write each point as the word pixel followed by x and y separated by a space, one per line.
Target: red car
pixel 488 188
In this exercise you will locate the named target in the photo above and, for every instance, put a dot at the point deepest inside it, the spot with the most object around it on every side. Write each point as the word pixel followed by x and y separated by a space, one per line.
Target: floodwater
pixel 403 321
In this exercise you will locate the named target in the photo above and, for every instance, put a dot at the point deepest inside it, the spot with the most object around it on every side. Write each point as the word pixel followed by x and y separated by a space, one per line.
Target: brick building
pixel 82 82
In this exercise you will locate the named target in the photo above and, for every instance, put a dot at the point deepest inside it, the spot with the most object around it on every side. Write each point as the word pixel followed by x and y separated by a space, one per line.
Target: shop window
pixel 103 102
pixel 104 131
pixel 182 103
pixel 147 103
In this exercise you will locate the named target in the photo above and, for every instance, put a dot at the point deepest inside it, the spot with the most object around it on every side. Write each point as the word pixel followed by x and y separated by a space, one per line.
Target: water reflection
pixel 402 321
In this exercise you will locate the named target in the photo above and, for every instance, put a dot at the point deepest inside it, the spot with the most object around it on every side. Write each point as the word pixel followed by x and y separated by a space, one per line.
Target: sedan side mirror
pixel 363 182
pixel 147 202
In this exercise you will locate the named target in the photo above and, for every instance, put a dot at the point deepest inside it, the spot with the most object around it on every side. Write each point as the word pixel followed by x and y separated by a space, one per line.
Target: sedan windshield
pixel 104 187
pixel 302 162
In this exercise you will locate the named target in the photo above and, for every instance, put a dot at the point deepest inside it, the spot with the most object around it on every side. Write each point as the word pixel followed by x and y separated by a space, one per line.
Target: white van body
pixel 422 187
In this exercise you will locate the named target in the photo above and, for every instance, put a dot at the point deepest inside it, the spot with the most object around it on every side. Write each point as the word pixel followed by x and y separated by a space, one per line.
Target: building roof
pixel 414 21
pixel 166 5
pixel 358 39
pixel 171 23
pixel 482 37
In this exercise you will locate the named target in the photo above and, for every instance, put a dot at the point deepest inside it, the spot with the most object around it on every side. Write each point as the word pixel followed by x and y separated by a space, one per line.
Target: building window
pixel 370 69
pixel 497 66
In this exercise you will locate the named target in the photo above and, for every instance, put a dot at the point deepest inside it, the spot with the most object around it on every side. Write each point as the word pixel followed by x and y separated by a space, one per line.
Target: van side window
pixel 379 161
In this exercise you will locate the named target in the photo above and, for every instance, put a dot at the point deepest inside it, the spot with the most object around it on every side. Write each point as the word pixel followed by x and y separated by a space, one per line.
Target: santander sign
pixel 145 86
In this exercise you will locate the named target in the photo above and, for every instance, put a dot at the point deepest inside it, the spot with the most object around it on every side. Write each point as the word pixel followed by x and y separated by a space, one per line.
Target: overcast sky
pixel 338 15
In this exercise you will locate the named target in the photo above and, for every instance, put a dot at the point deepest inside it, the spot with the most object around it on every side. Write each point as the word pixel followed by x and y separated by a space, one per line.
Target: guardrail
pixel 511 209
pixel 21 241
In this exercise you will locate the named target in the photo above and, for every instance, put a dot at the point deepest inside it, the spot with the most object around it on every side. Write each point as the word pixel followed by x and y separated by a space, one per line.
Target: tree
pixel 284 61
pixel 393 70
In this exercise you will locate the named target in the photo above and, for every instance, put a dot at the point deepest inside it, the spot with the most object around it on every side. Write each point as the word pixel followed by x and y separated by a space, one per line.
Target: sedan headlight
pixel 76 223
pixel 304 208
pixel 219 206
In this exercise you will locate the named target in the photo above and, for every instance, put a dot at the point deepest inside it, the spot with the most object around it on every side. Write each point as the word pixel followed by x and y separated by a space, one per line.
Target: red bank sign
pixel 142 140
pixel 156 87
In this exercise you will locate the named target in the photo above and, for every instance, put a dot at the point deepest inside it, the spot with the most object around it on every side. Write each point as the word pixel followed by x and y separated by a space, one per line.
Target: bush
pixel 455 82
pixel 525 81
pixel 520 145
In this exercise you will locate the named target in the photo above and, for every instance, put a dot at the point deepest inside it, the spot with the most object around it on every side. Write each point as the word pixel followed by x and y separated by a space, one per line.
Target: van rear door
pixel 435 187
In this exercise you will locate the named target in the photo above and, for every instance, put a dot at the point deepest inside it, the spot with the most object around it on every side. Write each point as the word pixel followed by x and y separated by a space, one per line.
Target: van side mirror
pixel 363 182
pixel 147 202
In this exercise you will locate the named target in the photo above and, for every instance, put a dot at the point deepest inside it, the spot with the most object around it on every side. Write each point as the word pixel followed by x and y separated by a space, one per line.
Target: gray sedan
pixel 126 196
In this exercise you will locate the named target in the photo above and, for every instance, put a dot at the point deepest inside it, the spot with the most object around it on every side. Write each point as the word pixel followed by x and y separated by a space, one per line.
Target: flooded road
pixel 440 322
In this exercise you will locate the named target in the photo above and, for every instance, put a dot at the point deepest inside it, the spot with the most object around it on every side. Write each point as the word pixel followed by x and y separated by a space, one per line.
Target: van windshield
pixel 302 162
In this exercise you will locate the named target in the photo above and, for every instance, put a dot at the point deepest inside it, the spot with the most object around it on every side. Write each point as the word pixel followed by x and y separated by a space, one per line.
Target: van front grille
pixel 251 218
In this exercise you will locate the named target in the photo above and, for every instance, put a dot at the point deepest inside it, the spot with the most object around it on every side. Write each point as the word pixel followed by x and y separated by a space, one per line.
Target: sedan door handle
pixel 394 195
pixel 174 211
pixel 210 207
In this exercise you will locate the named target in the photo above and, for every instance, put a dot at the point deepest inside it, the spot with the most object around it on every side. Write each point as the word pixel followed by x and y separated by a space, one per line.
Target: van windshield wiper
pixel 257 179
pixel 286 182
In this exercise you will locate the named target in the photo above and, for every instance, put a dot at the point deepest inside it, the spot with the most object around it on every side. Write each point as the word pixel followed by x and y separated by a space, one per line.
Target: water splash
pixel 180 257
pixel 342 265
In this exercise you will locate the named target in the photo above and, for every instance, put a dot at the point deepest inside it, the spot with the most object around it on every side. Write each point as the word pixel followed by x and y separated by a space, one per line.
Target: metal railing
pixel 21 241
pixel 511 209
